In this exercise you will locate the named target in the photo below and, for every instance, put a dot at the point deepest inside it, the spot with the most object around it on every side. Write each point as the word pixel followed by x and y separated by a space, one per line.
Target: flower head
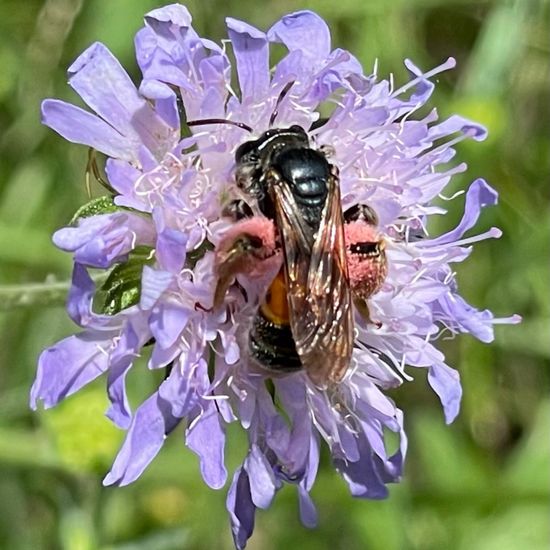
pixel 161 238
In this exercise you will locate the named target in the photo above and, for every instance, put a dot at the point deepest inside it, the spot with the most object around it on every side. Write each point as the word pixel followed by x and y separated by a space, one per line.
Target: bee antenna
pixel 205 121
pixel 282 95
pixel 318 124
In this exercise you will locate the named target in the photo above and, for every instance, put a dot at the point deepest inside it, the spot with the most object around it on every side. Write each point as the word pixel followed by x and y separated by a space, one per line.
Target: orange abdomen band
pixel 275 307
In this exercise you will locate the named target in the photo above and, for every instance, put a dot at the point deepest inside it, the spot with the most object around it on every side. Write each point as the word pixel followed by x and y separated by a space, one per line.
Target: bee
pixel 330 261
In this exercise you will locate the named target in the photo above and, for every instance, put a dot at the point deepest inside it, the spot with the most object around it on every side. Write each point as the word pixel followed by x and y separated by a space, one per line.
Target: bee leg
pixel 366 259
pixel 246 248
pixel 361 212
pixel 363 309
pixel 237 210
pixel 327 150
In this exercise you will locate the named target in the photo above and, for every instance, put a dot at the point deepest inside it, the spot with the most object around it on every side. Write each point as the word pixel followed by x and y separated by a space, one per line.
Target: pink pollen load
pixel 263 228
pixel 366 273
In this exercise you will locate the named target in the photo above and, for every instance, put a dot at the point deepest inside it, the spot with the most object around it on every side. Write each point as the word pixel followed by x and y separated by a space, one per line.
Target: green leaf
pixel 520 526
pixel 30 247
pixel 193 256
pixel 100 205
pixel 26 194
pixel 85 440
pixel 528 471
pixel 448 464
pixel 160 540
pixel 77 530
pixel 25 449
pixel 122 289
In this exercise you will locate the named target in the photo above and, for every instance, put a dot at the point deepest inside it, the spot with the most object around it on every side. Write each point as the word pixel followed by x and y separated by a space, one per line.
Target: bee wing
pixel 318 289
pixel 298 240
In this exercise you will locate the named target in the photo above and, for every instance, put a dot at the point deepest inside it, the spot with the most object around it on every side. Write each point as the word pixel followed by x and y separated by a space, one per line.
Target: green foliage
pixel 480 484
pixel 84 438
pixel 122 288
pixel 99 205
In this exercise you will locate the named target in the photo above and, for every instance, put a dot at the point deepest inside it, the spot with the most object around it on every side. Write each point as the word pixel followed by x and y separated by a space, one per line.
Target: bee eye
pixel 246 149
pixel 297 129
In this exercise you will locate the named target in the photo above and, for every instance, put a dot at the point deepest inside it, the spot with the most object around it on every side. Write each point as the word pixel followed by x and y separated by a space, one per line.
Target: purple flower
pixel 170 192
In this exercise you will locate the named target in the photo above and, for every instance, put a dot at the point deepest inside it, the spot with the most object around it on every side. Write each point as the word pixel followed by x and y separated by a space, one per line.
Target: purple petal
pixel 460 316
pixel 171 244
pixel 162 357
pixel 445 381
pixel 100 241
pixel 80 300
pixel 374 432
pixel 241 509
pixel 169 51
pixel 261 478
pixel 215 71
pixel 232 352
pixel 268 420
pixel 377 369
pixel 81 295
pixel 362 476
pixel 167 323
pixel 313 462
pixel 132 338
pixel 304 31
pixel 341 70
pixel 479 195
pixel 119 412
pixel 152 422
pixel 123 176
pixel 294 441
pixel 154 283
pixel 182 392
pixel 423 89
pixel 69 365
pixel 161 56
pixel 165 101
pixel 252 54
pixel 117 100
pixel 455 124
pixel 308 512
pixel 372 398
pixel 394 465
pixel 247 408
pixel 175 14
pixel 389 469
pixel 421 84
pixel 206 437
pixel 79 126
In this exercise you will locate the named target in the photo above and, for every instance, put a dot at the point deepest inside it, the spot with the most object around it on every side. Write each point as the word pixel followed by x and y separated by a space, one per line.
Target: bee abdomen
pixel 272 345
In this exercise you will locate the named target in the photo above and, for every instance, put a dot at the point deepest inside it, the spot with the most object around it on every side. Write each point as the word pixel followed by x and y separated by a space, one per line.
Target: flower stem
pixel 47 294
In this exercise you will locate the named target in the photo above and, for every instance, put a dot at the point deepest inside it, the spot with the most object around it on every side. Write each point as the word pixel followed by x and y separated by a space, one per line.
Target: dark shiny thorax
pixel 303 169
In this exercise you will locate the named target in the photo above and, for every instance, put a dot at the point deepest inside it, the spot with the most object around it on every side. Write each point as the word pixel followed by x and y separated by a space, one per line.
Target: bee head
pixel 271 140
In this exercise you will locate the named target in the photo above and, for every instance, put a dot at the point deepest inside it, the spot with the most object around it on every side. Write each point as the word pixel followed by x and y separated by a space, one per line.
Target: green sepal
pixel 122 288
pixel 100 205
pixel 193 256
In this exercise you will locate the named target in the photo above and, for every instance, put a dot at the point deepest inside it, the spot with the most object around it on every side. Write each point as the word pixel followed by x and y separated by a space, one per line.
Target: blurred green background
pixel 482 483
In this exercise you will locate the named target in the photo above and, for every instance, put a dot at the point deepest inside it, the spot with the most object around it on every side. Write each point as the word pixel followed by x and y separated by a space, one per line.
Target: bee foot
pixel 247 248
pixel 363 309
